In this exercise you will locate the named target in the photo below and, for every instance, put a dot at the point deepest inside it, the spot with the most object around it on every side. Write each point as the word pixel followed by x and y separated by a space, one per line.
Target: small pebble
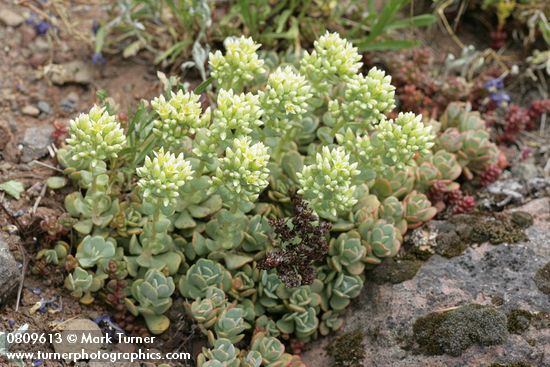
pixel 44 107
pixel 70 103
pixel 38 59
pixel 28 34
pixel 30 110
pixel 10 18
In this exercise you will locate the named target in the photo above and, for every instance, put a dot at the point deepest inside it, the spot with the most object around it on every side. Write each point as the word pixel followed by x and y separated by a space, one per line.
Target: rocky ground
pixel 487 306
pixel 449 300
pixel 46 80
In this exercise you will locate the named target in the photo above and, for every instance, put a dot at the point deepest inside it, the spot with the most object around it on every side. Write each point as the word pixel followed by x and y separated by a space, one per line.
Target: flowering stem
pixel 283 141
pixel 340 124
pixel 155 219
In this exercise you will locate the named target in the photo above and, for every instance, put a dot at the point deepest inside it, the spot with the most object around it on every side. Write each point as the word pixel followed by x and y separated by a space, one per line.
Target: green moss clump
pixel 499 230
pixel 522 219
pixel 542 279
pixel 518 321
pixel 541 320
pixel 497 300
pixel 514 364
pixel 451 332
pixel 449 244
pixel 347 350
pixel 395 271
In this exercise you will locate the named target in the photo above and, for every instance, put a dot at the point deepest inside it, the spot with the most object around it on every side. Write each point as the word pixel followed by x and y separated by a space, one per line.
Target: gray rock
pixel 30 110
pixel 71 72
pixel 500 276
pixel 44 107
pixel 35 142
pixel 526 171
pixel 10 18
pixel 75 334
pixel 69 104
pixel 9 273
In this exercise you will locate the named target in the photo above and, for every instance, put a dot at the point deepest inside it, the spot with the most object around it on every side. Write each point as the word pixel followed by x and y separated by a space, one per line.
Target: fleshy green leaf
pixel 13 188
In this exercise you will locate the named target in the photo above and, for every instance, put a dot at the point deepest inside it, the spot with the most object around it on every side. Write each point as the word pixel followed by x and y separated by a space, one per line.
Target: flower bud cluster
pixel 162 176
pixel 333 59
pixel 243 172
pixel 236 114
pixel 285 98
pixel 178 117
pixel 398 141
pixel 367 98
pixel 239 66
pixel 328 183
pixel 95 136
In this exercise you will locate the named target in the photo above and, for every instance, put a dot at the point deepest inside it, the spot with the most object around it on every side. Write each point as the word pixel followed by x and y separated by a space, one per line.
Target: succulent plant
pixel 162 176
pixel 270 348
pixel 391 210
pixel 464 133
pixel 334 58
pixel 450 140
pixel 478 152
pixel 267 206
pixel 394 182
pixel 418 209
pixel 383 240
pixel 79 282
pixel 201 275
pixel 302 324
pixel 95 137
pixel 285 99
pixel 267 326
pixel 54 255
pixel 267 289
pixel 330 321
pixel 205 311
pixel 231 324
pixel 94 249
pixel 426 174
pixel 402 139
pixel 242 173
pixel 222 354
pixel 252 359
pixel 342 289
pixel 239 66
pixel 153 295
pixel 328 183
pixel 243 285
pixel 95 209
pixel 236 115
pixel 346 252
pixel 179 116
pixel 447 164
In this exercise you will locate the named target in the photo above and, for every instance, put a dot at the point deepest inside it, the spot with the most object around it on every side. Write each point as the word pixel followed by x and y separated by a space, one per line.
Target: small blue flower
pixel 98 59
pixel 95 26
pixel 31 20
pixel 42 27
pixel 103 319
pixel 500 98
pixel 37 362
pixel 494 85
pixel 11 323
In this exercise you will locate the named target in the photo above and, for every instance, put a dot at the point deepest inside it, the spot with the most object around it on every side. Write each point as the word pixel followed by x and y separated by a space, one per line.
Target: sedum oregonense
pixel 178 200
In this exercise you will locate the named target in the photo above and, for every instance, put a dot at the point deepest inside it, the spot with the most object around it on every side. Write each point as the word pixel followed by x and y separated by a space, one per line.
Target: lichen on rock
pixel 542 279
pixel 347 350
pixel 452 332
pixel 518 321
pixel 395 270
